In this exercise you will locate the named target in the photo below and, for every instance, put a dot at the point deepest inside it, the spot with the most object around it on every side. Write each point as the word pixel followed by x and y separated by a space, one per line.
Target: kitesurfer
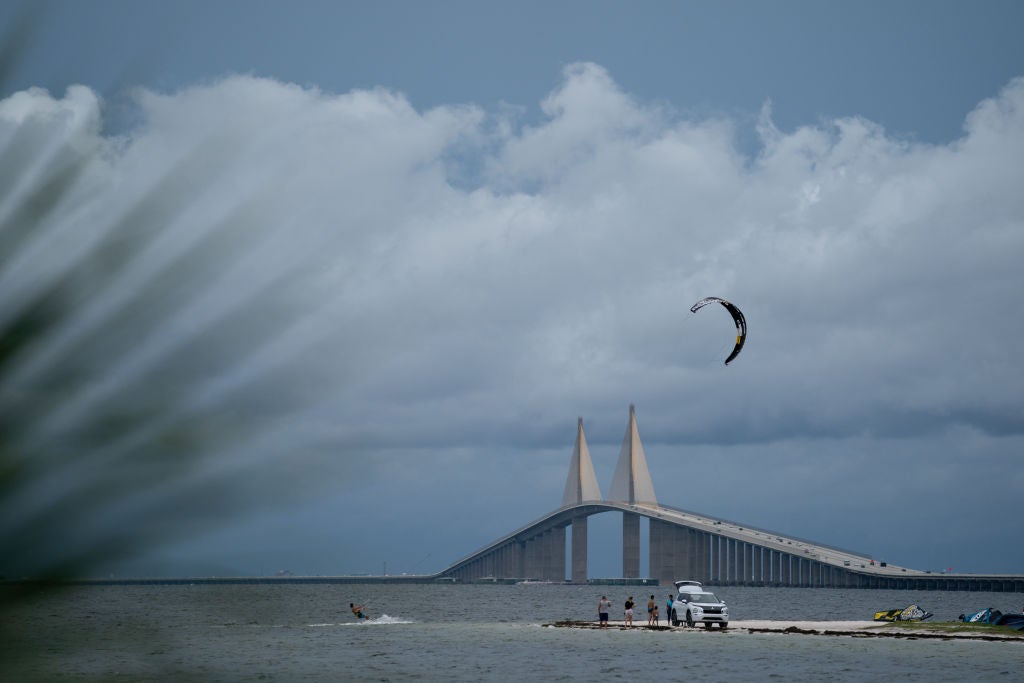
pixel 359 611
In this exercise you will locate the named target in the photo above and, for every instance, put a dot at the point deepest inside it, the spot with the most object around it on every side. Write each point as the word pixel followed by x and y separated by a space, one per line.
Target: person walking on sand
pixel 603 605
pixel 668 610
pixel 359 611
pixel 629 611
pixel 650 611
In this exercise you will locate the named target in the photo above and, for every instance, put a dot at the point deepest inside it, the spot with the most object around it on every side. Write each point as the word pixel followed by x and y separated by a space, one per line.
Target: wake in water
pixel 381 620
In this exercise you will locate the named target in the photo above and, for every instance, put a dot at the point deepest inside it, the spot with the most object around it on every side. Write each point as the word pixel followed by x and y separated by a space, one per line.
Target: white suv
pixel 694 605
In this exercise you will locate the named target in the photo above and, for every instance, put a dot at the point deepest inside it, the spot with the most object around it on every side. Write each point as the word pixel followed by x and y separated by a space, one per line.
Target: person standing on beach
pixel 656 622
pixel 668 610
pixel 629 611
pixel 650 611
pixel 603 605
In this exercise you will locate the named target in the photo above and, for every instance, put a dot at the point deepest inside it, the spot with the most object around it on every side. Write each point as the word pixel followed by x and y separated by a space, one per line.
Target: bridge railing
pixel 776 534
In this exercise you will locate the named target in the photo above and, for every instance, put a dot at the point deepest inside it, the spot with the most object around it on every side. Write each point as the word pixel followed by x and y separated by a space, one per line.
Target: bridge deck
pixel 685 544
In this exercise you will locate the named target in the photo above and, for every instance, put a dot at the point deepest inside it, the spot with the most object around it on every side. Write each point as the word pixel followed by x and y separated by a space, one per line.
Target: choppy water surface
pixel 467 633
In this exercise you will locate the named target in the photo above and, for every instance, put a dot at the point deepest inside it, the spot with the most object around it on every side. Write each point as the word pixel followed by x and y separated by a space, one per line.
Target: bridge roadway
pixel 687 545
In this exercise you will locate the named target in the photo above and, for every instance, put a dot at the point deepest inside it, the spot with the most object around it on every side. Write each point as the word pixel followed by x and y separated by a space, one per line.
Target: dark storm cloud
pixel 380 319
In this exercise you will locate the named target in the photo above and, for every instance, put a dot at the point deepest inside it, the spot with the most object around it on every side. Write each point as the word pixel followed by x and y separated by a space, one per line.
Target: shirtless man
pixel 358 610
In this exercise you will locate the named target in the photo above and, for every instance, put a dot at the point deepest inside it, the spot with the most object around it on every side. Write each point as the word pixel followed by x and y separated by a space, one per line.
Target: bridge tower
pixel 580 486
pixel 632 484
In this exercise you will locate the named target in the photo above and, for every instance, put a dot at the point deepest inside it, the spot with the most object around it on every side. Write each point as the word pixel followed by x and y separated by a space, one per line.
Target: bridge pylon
pixel 580 486
pixel 632 481
pixel 632 485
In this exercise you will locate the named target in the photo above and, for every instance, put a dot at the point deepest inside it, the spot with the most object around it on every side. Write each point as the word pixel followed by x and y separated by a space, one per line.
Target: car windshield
pixel 703 597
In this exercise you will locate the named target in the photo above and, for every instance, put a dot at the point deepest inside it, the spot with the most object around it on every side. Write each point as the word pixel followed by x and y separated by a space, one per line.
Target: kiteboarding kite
pixel 909 613
pixel 737 316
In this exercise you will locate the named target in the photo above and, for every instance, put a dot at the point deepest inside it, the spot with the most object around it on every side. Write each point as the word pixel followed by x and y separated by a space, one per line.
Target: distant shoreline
pixel 271 580
pixel 224 580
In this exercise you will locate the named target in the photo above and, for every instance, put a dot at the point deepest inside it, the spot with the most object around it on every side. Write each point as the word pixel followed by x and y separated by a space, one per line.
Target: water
pixel 467 633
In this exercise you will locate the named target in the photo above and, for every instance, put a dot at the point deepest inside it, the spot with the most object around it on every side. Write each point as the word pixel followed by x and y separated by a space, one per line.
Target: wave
pixel 383 619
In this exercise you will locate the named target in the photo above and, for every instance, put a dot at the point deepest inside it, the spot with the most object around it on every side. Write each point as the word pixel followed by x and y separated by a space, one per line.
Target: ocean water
pixel 294 632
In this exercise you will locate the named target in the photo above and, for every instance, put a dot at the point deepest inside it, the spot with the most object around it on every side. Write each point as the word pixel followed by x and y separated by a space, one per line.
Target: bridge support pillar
pixel 630 545
pixel 552 555
pixel 702 555
pixel 693 572
pixel 682 540
pixel 557 566
pixel 513 561
pixel 533 557
pixel 579 550
pixel 663 551
pixel 715 565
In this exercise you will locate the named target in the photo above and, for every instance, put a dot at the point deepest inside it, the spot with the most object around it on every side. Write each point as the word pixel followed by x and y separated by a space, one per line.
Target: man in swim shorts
pixel 603 605
pixel 358 611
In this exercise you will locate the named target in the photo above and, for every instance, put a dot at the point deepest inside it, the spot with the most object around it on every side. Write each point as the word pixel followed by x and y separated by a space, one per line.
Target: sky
pixel 323 287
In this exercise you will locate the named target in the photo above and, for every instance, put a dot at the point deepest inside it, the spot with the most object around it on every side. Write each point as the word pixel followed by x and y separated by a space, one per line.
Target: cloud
pixel 317 261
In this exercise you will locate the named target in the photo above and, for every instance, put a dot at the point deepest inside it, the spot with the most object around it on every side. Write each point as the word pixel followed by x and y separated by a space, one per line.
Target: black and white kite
pixel 737 316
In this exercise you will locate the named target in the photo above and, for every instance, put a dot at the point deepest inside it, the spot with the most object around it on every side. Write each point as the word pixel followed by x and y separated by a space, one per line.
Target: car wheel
pixel 675 619
pixel 724 625
pixel 707 625
pixel 689 620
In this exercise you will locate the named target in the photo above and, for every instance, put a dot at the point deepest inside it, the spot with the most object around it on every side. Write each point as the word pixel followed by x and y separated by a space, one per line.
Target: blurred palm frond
pixel 124 413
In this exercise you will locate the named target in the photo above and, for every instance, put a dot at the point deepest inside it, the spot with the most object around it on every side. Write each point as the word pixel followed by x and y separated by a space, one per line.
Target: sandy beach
pixel 819 628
